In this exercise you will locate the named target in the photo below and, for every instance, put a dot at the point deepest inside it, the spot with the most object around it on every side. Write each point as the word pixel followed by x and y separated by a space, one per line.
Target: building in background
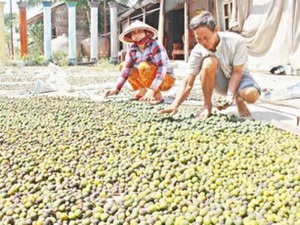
pixel 59 19
pixel 271 28
pixel 176 16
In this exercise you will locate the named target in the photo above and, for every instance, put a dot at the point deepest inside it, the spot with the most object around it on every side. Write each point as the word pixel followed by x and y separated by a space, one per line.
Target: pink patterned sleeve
pixel 126 70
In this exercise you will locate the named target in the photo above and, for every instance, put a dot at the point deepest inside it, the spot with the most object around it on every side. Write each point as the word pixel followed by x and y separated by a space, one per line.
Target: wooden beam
pixel 186 30
pixel 144 14
pixel 137 6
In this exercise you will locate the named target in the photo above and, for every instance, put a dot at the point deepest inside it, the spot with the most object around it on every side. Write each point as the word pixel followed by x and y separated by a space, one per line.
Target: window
pixel 227 10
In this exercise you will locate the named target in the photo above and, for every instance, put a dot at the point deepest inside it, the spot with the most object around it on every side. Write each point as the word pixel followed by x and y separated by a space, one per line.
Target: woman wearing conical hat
pixel 146 67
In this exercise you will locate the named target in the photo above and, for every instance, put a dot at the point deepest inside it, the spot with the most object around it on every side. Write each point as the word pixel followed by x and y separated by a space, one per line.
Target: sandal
pixel 156 102
pixel 136 98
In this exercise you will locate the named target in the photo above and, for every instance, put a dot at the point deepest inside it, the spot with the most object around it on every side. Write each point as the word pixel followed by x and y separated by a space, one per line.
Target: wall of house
pixel 60 22
pixel 223 13
pixel 196 7
pixel 174 20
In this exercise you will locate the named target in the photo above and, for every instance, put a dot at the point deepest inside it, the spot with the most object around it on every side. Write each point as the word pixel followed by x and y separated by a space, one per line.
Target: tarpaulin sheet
pixel 271 30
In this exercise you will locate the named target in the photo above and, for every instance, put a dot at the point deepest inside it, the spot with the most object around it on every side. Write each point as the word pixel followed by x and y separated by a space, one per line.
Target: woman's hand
pixel 149 96
pixel 110 92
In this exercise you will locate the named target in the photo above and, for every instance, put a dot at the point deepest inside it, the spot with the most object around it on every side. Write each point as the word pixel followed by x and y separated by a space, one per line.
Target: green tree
pixel 36 37
pixel 10 25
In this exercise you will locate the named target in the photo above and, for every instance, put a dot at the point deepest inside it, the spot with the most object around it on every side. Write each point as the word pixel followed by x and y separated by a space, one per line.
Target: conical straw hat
pixel 125 35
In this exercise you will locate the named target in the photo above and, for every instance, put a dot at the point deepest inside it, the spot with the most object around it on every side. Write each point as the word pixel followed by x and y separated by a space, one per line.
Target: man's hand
pixel 110 92
pixel 171 110
pixel 225 102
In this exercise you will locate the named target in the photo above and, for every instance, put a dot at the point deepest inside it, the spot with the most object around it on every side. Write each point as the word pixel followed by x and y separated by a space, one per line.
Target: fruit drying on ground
pixel 74 161
pixel 222 103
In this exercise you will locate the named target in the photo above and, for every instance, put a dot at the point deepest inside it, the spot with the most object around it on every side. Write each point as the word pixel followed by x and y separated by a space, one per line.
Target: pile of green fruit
pixel 74 161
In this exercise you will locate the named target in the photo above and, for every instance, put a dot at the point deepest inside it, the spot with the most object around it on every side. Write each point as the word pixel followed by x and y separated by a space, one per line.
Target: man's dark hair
pixel 205 19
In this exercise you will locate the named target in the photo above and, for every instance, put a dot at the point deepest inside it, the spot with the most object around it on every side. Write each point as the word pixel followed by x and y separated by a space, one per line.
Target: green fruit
pixel 104 216
pixel 76 161
pixel 64 216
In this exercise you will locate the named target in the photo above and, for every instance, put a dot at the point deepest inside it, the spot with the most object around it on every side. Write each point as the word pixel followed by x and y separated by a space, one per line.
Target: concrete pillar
pixel 23 28
pixel 105 29
pixel 113 32
pixel 47 30
pixel 161 22
pixel 2 31
pixel 72 32
pixel 94 31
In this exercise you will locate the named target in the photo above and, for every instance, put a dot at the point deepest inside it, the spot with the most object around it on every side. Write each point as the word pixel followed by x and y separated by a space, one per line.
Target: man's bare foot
pixel 243 110
pixel 205 112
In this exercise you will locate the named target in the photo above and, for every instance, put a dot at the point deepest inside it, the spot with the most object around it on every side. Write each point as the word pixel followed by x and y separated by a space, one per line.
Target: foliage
pixel 10 20
pixel 60 58
pixel 32 3
pixel 36 33
pixel 34 59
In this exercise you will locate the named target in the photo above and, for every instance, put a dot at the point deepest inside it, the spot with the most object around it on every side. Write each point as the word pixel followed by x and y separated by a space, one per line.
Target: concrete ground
pixel 92 83
pixel 279 103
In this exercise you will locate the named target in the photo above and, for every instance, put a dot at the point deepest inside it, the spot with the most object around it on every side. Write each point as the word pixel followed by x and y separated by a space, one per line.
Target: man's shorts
pixel 222 82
